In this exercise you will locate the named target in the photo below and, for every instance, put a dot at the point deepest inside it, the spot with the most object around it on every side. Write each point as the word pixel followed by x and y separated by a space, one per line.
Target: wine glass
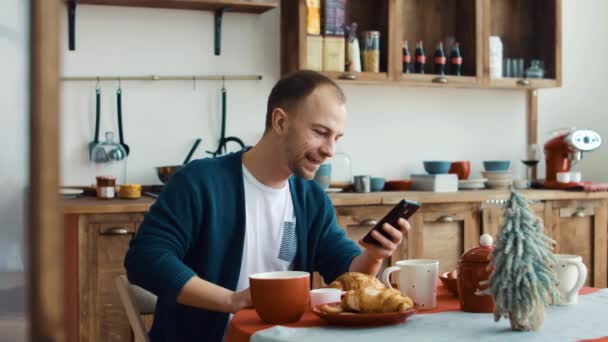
pixel 531 158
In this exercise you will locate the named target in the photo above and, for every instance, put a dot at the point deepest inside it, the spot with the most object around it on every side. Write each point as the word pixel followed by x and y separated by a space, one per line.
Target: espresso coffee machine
pixel 563 151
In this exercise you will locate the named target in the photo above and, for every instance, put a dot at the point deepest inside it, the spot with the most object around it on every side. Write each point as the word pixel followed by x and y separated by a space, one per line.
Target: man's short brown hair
pixel 295 87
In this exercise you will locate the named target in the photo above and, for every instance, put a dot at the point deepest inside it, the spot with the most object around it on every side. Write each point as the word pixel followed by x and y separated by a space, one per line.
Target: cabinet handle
pixel 368 222
pixel 348 76
pixel 523 82
pixel 445 219
pixel 579 213
pixel 116 231
pixel 440 79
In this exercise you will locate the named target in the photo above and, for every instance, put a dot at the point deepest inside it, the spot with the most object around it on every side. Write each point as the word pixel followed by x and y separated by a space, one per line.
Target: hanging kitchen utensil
pixel 96 152
pixel 196 143
pixel 221 148
pixel 121 138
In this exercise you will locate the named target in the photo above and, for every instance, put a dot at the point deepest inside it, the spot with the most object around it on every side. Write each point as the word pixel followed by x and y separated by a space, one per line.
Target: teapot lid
pixel 481 253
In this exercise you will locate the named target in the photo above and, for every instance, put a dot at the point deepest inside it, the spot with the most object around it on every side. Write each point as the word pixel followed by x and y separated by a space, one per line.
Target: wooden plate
pixel 362 319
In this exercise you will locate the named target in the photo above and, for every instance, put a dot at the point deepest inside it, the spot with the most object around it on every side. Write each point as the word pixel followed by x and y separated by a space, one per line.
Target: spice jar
pixel 105 187
pixel 131 191
pixel 371 51
pixel 473 269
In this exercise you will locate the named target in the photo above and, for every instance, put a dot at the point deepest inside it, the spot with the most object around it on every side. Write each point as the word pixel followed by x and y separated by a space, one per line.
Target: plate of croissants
pixel 366 302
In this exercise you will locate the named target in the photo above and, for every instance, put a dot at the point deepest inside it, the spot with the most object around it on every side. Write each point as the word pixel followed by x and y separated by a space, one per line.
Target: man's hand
pixel 371 259
pixel 387 246
pixel 240 300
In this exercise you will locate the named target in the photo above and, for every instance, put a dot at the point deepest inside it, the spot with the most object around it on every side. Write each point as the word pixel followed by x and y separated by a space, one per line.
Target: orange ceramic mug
pixel 280 297
pixel 461 168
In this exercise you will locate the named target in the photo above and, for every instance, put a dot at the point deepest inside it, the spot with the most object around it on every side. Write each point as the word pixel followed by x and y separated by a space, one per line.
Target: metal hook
pixel 97 84
pixel 223 82
pixel 193 82
pixel 119 84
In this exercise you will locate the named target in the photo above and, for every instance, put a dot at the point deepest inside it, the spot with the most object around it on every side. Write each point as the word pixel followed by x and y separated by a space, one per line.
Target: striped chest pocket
pixel 288 249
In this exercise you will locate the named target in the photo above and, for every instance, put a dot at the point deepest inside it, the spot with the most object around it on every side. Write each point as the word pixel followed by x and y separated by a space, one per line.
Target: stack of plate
pixel 472 184
pixel 498 179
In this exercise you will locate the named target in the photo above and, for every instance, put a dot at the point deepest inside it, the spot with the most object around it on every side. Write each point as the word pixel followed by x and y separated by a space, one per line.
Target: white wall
pixel 390 130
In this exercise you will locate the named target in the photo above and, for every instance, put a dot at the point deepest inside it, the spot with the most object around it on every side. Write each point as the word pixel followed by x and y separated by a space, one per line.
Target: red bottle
pixel 407 58
pixel 420 58
pixel 456 60
pixel 439 59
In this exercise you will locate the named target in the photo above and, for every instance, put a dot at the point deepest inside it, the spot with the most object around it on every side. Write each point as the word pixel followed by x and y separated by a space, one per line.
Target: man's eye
pixel 319 132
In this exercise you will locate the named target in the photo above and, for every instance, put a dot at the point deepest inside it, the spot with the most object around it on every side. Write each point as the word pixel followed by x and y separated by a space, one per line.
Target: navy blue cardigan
pixel 197 226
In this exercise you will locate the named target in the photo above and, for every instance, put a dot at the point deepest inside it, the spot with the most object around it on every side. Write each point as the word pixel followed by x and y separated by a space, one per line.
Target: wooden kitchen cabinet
pixel 102 242
pixel 581 228
pixel 528 29
pixel 442 232
pixel 493 212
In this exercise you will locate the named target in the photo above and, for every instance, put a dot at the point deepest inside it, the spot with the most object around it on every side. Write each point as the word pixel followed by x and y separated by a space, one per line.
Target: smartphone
pixel 405 209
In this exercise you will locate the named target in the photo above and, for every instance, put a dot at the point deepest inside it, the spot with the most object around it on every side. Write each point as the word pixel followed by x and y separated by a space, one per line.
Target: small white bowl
pixel 325 296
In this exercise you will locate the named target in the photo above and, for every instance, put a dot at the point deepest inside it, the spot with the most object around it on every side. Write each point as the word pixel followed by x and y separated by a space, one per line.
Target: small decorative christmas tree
pixel 522 282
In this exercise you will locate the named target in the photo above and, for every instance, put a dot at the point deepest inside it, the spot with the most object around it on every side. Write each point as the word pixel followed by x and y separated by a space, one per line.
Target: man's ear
pixel 279 121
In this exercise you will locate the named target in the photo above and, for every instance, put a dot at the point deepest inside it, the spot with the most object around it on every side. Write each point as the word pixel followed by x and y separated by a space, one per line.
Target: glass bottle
pixel 535 70
pixel 341 167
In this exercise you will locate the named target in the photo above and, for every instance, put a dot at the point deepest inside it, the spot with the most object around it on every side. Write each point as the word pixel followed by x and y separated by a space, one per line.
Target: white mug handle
pixel 386 275
pixel 582 276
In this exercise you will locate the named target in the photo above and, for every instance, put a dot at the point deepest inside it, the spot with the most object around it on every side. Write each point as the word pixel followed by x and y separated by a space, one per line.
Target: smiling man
pixel 220 220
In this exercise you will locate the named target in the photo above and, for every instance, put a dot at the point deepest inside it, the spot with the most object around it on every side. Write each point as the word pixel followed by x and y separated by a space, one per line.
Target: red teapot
pixel 472 269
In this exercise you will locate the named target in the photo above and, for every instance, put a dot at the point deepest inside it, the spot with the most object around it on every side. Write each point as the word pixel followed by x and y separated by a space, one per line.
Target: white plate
pixel 71 192
pixel 472 184
pixel 333 190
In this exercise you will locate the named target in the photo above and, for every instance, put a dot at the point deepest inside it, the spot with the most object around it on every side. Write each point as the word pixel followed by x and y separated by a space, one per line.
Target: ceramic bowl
pixel 280 297
pixel 461 168
pixel 377 183
pixel 436 167
pixel 397 185
pixel 449 283
pixel 496 165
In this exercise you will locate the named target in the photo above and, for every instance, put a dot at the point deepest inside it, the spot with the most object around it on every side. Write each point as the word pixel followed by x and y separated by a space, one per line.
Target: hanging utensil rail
pixel 165 78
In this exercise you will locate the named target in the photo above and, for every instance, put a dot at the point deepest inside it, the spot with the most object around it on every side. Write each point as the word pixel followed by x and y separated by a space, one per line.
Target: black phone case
pixel 405 209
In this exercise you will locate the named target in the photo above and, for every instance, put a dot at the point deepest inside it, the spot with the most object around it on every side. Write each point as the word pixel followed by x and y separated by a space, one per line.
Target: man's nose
pixel 328 149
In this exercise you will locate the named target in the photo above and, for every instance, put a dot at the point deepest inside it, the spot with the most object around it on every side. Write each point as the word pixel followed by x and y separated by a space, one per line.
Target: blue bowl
pixel 377 183
pixel 436 167
pixel 496 165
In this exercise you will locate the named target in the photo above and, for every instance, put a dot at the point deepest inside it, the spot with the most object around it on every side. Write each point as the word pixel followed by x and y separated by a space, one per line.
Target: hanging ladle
pixel 221 147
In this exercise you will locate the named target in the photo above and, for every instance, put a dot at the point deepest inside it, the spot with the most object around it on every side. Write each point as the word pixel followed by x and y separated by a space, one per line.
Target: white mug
pixel 571 275
pixel 417 279
pixel 325 296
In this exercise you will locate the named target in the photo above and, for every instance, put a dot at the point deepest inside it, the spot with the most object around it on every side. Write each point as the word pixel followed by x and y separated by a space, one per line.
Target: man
pixel 219 220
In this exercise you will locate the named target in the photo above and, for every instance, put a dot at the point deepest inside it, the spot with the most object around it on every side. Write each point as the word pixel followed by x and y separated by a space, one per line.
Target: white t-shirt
pixel 270 230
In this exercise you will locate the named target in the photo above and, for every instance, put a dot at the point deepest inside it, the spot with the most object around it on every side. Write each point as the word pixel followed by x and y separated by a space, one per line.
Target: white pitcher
pixel 571 275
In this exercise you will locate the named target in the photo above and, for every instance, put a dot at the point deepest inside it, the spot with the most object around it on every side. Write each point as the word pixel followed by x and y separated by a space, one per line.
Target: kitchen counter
pixel 91 205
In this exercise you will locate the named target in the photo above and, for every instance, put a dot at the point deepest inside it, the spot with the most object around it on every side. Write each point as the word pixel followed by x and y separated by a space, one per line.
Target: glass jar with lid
pixel 111 158
pixel 535 70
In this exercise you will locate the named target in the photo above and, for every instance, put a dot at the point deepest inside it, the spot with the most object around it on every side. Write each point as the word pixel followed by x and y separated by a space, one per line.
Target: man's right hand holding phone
pixel 386 247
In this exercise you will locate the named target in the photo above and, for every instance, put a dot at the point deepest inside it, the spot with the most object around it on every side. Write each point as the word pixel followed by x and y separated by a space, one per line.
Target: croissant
pixel 371 300
pixel 355 280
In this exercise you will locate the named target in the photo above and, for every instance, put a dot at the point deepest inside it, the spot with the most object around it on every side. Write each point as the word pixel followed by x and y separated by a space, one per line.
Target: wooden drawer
pixel 104 241
pixel 580 228
pixel 442 232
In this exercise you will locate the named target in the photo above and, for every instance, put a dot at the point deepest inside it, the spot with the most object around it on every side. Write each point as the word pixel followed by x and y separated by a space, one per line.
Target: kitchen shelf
pixel 256 7
pixel 438 80
pixel 528 29
pixel 531 83
pixel 216 6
